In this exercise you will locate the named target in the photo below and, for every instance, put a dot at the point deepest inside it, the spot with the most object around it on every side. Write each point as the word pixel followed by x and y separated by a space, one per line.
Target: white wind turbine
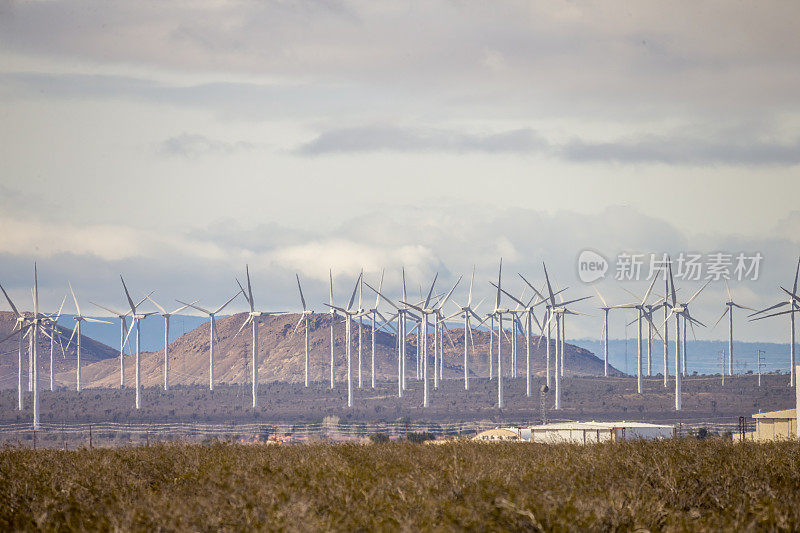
pixel 606 309
pixel 20 325
pixel 425 310
pixel 641 312
pixel 166 316
pixel 252 318
pixel 729 305
pixel 34 325
pixel 304 316
pixel 467 311
pixel 374 313
pixel 123 328
pixel 439 331
pixel 528 310
pixel 401 314
pixel 793 308
pixel 557 311
pixel 212 331
pixel 137 319
pixel 77 329
pixel 680 310
pixel 349 314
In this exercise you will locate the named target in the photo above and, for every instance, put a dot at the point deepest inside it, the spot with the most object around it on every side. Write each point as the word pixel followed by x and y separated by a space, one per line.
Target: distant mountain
pixel 281 355
pixel 64 363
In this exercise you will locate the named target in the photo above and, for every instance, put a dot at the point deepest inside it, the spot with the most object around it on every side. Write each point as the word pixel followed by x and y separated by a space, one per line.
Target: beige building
pixel 588 432
pixel 774 425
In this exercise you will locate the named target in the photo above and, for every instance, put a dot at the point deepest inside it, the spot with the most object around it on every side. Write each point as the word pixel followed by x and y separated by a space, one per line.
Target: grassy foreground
pixel 674 485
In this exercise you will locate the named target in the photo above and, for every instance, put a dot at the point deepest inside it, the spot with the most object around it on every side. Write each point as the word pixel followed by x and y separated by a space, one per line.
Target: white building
pixel 586 432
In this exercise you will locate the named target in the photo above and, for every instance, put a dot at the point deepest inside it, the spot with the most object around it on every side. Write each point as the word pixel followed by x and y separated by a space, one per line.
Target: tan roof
pixel 783 414
pixel 497 432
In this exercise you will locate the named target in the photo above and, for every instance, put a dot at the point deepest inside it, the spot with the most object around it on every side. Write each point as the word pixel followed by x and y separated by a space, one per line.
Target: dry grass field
pixel 681 484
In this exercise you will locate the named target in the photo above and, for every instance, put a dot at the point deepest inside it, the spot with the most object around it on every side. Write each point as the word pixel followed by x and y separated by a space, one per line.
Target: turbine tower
pixel 212 330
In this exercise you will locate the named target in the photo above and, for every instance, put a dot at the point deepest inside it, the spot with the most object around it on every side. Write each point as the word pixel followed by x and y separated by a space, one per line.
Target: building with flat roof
pixel 588 432
pixel 774 425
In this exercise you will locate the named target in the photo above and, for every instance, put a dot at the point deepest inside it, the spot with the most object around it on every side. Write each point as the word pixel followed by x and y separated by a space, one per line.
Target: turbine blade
pixel 193 306
pixel 430 291
pixel 113 312
pixel 698 292
pixel 127 295
pixel 223 306
pixel 725 312
pixel 87 319
pixel 601 297
pixel 441 304
pixel 163 311
pixel 777 305
pixel 77 307
pixel 728 288
pixel 249 294
pixel 10 303
pixel 302 298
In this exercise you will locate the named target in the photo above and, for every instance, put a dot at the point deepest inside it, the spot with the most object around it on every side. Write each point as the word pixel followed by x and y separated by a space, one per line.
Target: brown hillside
pixel 91 351
pixel 281 355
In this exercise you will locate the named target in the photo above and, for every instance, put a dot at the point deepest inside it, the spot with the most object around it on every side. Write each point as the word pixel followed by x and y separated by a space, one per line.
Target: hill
pixel 64 363
pixel 281 355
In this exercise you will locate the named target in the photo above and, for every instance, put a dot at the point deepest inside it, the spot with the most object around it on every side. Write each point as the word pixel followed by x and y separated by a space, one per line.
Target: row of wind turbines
pixel 420 315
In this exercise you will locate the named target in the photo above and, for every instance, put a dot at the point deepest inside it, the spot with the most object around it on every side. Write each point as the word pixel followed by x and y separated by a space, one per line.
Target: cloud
pixel 194 145
pixel 389 138
pixel 671 149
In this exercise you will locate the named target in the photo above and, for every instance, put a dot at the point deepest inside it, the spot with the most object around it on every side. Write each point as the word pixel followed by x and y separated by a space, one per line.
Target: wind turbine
pixel 793 308
pixel 349 314
pixel 20 325
pixel 425 311
pixel 401 314
pixel 212 330
pixel 557 311
pixel 439 330
pixel 34 324
pixel 252 318
pixel 527 309
pixel 166 316
pixel 467 311
pixel 304 316
pixel 137 319
pixel 641 312
pixel 680 310
pixel 78 319
pixel 729 305
pixel 123 327
pixel 606 309
pixel 374 314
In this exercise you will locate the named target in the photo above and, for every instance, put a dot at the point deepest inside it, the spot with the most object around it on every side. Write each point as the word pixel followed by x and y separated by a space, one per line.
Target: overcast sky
pixel 176 142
